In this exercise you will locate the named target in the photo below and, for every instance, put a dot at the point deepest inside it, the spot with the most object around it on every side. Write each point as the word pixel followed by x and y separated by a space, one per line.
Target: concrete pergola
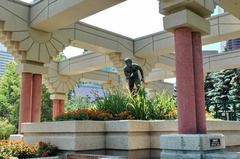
pixel 35 34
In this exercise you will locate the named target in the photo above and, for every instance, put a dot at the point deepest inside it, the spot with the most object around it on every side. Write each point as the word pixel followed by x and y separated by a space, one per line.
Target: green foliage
pixel 160 106
pixel 117 105
pixel 76 102
pixel 6 129
pixel 222 90
pixel 46 108
pixel 114 102
pixel 163 106
pixel 138 105
pixel 10 94
pixel 60 57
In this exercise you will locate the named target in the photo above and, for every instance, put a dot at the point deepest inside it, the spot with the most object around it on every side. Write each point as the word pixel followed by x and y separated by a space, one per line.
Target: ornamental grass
pixel 119 105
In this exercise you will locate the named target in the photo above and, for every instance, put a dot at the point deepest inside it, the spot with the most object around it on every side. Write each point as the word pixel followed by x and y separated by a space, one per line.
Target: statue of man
pixel 131 72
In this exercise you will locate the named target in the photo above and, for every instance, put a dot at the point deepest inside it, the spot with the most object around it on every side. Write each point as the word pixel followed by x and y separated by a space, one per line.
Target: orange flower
pixel 109 81
pixel 44 154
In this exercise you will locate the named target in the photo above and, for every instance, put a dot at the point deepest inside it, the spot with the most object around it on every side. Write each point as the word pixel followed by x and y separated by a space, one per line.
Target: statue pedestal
pixel 195 146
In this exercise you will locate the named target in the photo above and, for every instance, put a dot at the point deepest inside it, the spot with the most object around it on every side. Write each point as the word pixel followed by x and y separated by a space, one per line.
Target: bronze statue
pixel 131 72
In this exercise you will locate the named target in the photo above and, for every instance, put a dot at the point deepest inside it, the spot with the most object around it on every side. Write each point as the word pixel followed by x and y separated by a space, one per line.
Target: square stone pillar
pixel 186 19
pixel 58 100
pixel 195 146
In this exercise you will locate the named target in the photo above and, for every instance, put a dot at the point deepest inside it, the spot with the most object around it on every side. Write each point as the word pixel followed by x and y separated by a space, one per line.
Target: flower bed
pixel 118 104
pixel 92 114
pixel 20 150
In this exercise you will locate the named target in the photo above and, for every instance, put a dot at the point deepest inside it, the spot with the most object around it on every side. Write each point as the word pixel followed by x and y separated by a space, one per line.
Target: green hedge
pixel 6 129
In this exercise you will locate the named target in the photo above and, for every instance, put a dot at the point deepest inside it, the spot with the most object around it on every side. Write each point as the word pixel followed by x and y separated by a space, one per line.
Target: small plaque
pixel 215 142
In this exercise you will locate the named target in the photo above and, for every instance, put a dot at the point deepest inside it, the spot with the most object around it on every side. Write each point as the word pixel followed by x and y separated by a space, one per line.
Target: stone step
pixel 89 156
pixel 7 34
pixel 12 44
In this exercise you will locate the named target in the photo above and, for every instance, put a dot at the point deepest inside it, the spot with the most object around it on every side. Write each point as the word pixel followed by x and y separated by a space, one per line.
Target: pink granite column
pixel 36 98
pixel 185 81
pixel 58 107
pixel 199 83
pixel 61 107
pixel 25 99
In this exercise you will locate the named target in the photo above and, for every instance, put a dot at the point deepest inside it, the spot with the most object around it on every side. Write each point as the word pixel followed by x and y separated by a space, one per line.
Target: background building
pixel 233 44
pixel 5 57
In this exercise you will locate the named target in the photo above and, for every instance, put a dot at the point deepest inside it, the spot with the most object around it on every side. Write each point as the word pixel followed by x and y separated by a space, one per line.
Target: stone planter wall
pixel 127 135
pixel 55 157
pixel 230 130
pixel 119 135
pixel 67 135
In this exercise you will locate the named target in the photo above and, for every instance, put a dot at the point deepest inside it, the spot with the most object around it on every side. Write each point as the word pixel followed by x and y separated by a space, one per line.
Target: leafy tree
pixel 222 91
pixel 10 94
pixel 6 129
pixel 60 57
pixel 46 103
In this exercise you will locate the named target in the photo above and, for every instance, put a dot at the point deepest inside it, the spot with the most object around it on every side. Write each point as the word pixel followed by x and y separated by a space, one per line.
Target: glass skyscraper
pixel 5 57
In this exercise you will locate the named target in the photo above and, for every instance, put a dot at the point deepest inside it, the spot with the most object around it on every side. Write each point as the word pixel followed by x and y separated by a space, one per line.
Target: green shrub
pixel 76 102
pixel 114 102
pixel 162 106
pixel 6 129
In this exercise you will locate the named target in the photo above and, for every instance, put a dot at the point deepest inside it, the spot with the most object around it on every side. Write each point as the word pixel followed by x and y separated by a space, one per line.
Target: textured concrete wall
pixel 118 135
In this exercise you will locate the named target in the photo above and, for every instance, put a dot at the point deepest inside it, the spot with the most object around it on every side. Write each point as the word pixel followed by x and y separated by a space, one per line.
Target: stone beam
pixel 100 76
pixel 158 74
pixel 14 15
pixel 166 62
pixel 218 62
pixel 159 86
pixel 50 15
pixel 223 27
pixel 84 63
pixel 231 6
pixel 97 40
pixel 212 63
